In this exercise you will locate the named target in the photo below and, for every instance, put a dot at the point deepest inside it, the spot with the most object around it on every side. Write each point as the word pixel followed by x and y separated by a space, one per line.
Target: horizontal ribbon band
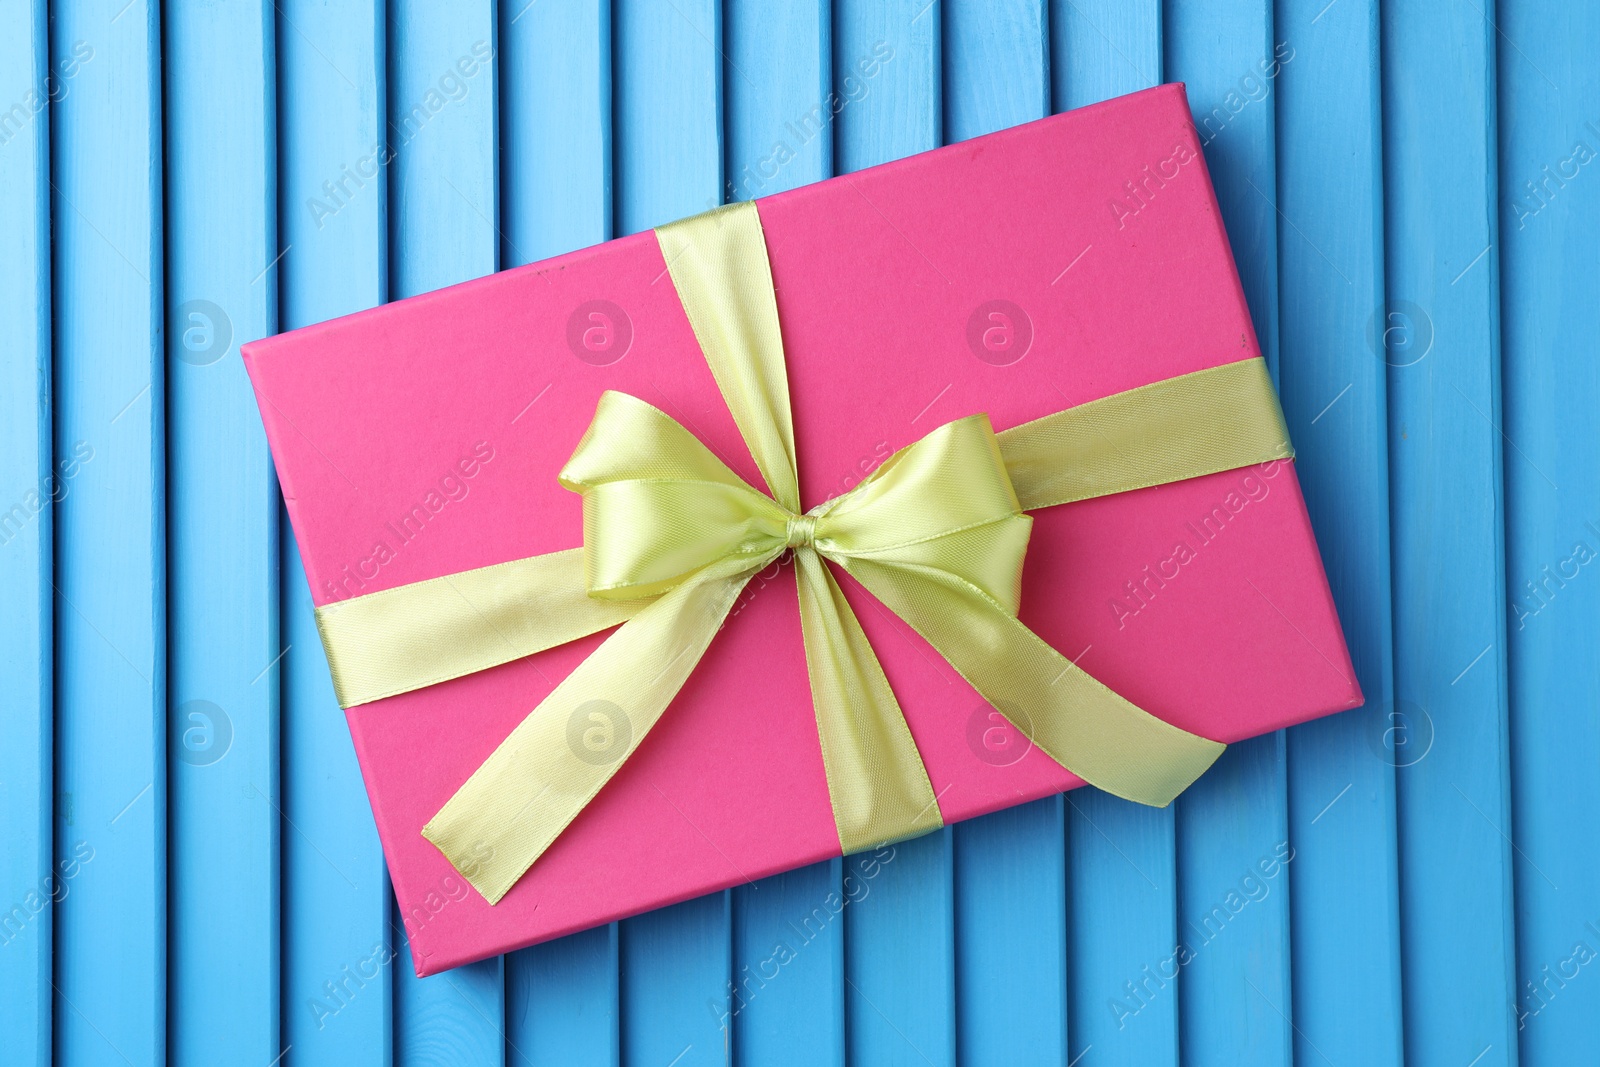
pixel 671 536
pixel 418 635
pixel 1211 420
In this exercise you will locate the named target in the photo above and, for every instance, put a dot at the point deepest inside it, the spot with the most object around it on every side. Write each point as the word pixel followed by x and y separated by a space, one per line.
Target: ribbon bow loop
pixel 943 503
pixel 659 507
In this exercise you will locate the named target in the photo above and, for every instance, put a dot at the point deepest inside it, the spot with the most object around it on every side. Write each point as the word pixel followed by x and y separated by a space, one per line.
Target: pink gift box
pixel 1015 274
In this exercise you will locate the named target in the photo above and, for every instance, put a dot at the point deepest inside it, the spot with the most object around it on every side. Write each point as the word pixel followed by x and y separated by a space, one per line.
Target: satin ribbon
pixel 672 535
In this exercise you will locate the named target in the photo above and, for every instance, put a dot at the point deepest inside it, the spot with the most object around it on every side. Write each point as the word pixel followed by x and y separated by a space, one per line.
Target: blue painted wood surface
pixel 1551 380
pixel 190 872
pixel 27 480
pixel 1448 725
pixel 109 392
pixel 1344 878
pixel 225 814
pixel 338 950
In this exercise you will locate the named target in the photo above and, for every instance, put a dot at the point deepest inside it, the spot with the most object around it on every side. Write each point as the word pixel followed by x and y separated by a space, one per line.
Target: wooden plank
pixel 443 181
pixel 562 1001
pixel 667 111
pixel 1449 729
pixel 788 930
pixel 1549 225
pixel 788 965
pixel 1103 48
pixel 996 65
pixel 1226 52
pixel 676 982
pixel 555 141
pixel 1122 934
pixel 555 128
pixel 110 531
pixel 778 80
pixel 677 990
pixel 1011 936
pixel 29 486
pixel 443 229
pixel 337 950
pixel 222 248
pixel 900 957
pixel 897 111
pixel 1122 914
pixel 1009 867
pixel 1232 825
pixel 1344 876
pixel 900 978
pixel 1233 910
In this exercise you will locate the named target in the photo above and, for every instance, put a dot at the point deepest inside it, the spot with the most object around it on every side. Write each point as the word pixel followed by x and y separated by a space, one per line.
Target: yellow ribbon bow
pixel 672 536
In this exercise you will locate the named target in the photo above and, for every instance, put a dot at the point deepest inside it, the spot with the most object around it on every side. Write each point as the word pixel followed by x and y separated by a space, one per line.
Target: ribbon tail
pixel 1084 726
pixel 560 756
pixel 427 632
pixel 877 782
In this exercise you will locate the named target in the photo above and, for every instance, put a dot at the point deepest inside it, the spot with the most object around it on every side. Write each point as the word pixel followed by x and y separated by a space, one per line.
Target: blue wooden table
pixel 190 872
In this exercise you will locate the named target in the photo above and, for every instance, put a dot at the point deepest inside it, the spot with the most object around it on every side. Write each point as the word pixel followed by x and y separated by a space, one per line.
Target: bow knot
pixel 802 532
pixel 660 509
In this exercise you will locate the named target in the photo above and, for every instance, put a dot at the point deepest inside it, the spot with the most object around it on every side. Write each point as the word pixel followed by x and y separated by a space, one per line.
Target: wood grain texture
pixel 1415 238
pixel 788 965
pixel 678 993
pixel 1549 223
pixel 1448 729
pixel 443 228
pixel 222 252
pixel 996 65
pixel 562 1002
pixel 338 952
pixel 777 84
pixel 1103 48
pixel 1232 825
pixel 1010 888
pixel 900 957
pixel 555 128
pixel 667 110
pixel 111 608
pixel 899 108
pixel 1345 871
pixel 28 490
pixel 1122 915
pixel 555 167
pixel 1233 859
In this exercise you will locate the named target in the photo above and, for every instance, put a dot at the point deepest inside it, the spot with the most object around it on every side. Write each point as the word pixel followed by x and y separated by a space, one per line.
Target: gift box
pixel 1015 275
